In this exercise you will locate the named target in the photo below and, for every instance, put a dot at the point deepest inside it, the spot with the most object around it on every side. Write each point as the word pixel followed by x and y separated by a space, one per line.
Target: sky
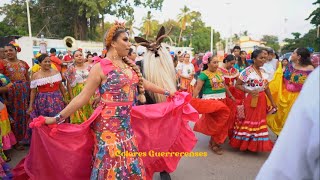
pixel 258 17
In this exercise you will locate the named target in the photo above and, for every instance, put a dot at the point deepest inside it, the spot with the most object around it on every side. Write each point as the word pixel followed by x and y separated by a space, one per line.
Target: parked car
pixel 287 56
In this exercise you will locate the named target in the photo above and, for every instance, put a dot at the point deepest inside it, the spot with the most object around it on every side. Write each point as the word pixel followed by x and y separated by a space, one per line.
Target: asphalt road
pixel 232 165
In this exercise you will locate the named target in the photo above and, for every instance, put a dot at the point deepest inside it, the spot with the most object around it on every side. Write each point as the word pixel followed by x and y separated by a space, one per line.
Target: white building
pixel 31 46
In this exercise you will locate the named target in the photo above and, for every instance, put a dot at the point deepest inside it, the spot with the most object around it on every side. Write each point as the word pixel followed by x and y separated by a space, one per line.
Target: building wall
pixel 30 46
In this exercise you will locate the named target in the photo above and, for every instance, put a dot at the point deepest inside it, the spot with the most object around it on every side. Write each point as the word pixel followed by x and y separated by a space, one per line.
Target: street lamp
pixel 28 16
pixel 211 40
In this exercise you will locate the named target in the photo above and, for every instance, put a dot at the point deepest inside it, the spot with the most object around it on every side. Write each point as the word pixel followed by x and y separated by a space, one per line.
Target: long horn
pixel 145 44
pixel 160 39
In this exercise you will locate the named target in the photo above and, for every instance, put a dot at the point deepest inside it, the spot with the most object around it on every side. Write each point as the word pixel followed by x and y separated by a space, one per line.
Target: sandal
pixel 215 148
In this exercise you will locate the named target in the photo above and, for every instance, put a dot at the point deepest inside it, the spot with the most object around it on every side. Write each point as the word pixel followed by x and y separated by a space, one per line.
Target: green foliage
pixel 315 15
pixel 77 18
pixel 271 41
pixel 308 40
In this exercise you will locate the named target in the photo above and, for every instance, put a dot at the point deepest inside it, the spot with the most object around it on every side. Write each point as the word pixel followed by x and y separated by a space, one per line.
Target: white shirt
pixel 252 81
pixel 270 68
pixel 297 151
pixel 186 69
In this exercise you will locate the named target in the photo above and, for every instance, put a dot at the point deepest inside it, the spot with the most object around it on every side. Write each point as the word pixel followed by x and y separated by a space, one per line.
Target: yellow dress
pixel 291 83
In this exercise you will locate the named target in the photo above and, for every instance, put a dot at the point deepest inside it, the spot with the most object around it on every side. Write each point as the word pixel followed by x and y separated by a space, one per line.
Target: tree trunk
pixel 180 37
pixel 102 22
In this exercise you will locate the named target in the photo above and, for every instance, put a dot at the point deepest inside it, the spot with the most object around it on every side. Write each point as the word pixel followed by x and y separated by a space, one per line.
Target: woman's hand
pixel 50 120
pixel 95 102
pixel 254 92
pixel 30 109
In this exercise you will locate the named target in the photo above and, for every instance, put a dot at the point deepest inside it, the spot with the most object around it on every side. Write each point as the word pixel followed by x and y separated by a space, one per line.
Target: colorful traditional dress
pixel 18 96
pixel 49 99
pixel 293 81
pixel 5 173
pixel 186 70
pixel 8 139
pixel 251 133
pixel 77 79
pixel 231 77
pixel 212 106
pixel 113 130
pixel 116 126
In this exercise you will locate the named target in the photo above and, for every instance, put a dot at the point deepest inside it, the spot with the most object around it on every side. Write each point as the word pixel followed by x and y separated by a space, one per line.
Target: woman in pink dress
pixel 113 132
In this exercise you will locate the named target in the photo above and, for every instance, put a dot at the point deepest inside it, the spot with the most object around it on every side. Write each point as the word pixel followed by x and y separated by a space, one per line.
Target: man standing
pixel 56 61
pixel 68 56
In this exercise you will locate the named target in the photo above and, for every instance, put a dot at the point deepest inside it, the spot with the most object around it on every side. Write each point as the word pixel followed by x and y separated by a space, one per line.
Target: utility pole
pixel 29 22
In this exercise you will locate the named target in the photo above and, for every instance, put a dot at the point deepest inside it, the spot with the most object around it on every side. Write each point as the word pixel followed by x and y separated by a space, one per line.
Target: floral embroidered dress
pixel 49 100
pixel 113 132
pixel 8 139
pixel 77 79
pixel 293 81
pixel 251 133
pixel 18 95
pixel 212 106
pixel 231 77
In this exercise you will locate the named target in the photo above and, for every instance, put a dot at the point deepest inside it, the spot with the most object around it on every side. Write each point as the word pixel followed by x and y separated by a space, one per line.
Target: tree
pixel 315 15
pixel 184 18
pixel 308 40
pixel 271 41
pixel 77 18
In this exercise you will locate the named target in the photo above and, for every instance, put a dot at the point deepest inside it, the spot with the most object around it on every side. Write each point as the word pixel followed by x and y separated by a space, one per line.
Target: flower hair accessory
pixel 206 57
pixel 153 46
pixel 114 28
pixel 16 46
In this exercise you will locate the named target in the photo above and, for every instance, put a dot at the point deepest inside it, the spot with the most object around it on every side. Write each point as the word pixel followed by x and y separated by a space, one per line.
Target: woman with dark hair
pixel 293 80
pixel 231 75
pixel 77 75
pixel 213 121
pixel 132 55
pixel 110 149
pixel 251 132
pixel 90 62
pixel 186 74
pixel 241 63
pixel 284 63
pixel 18 94
pixel 46 97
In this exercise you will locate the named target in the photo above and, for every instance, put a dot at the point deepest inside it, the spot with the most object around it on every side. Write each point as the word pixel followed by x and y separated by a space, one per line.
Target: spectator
pixel 54 60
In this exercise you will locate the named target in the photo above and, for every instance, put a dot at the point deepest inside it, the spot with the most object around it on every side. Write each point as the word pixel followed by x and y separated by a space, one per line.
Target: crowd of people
pixel 238 99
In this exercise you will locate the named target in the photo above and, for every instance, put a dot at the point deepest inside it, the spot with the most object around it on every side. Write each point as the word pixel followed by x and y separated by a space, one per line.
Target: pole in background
pixel 29 22
pixel 211 40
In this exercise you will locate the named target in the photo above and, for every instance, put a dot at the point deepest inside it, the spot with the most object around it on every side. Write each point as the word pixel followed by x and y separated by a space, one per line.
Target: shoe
pixel 165 176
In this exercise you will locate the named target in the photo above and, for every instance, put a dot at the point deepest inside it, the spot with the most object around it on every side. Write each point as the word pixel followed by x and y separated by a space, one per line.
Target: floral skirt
pixel 47 104
pixel 8 138
pixel 18 103
pixel 83 113
pixel 251 133
pixel 115 146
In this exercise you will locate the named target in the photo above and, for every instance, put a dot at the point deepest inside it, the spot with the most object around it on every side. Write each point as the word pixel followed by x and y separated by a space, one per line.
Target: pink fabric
pixel 68 153
pixel 164 127
pixel 8 141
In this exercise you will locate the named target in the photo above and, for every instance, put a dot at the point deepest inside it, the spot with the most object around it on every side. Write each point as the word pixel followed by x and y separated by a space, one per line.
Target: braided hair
pixel 112 35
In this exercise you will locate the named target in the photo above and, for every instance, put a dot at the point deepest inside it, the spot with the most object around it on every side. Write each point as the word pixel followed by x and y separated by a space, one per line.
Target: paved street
pixel 232 165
